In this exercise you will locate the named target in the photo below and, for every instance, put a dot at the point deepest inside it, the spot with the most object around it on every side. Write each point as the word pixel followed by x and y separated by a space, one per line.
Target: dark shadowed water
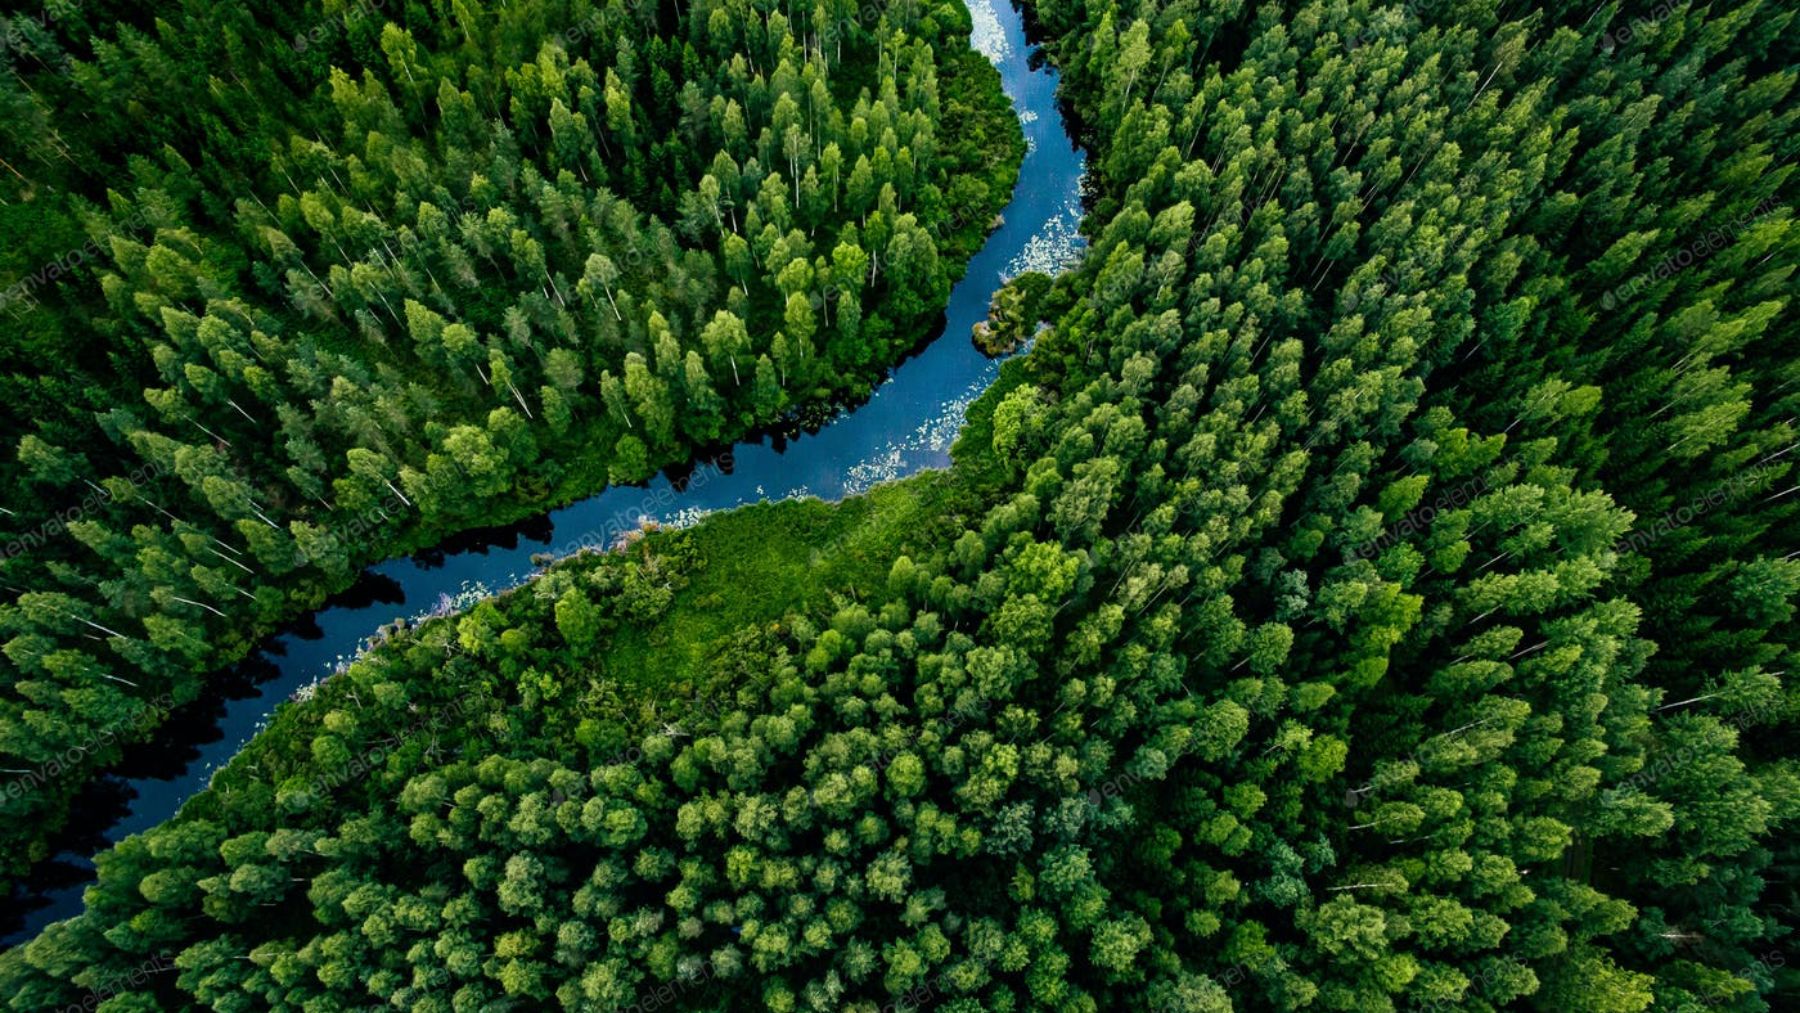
pixel 906 426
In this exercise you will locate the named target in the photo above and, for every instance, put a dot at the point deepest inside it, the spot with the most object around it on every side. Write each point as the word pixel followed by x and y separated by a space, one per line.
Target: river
pixel 906 426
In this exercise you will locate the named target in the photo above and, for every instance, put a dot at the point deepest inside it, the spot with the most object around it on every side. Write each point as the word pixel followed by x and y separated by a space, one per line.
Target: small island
pixel 1014 314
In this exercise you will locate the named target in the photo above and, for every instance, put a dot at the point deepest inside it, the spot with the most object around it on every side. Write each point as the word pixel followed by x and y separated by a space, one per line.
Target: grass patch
pixel 759 563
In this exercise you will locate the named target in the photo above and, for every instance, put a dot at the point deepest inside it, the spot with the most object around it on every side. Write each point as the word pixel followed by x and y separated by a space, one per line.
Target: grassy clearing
pixel 762 562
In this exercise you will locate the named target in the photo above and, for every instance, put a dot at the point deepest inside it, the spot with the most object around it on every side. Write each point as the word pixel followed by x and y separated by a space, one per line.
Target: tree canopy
pixel 1374 591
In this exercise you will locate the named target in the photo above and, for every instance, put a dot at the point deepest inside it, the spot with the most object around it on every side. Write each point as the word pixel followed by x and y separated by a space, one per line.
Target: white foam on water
pixel 988 38
pixel 1055 246
pixel 932 436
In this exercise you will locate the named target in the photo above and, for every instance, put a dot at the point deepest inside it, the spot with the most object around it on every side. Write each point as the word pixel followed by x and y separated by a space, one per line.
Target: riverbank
pixel 447 390
pixel 905 425
pixel 760 566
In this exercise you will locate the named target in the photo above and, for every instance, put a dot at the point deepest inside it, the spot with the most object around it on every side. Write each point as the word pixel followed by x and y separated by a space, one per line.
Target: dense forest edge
pixel 409 272
pixel 1374 590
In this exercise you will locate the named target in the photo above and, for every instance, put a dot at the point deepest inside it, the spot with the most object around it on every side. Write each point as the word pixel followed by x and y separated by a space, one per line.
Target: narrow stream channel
pixel 905 427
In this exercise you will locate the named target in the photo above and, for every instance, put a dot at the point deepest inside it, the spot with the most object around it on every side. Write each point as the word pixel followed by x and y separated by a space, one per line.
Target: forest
pixel 1373 590
pixel 331 301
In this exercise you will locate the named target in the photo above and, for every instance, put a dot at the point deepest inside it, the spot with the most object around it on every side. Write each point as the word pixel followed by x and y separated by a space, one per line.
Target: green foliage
pixel 1372 592
pixel 301 288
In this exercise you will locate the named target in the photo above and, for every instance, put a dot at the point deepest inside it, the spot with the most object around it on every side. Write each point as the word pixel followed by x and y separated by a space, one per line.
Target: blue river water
pixel 906 426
